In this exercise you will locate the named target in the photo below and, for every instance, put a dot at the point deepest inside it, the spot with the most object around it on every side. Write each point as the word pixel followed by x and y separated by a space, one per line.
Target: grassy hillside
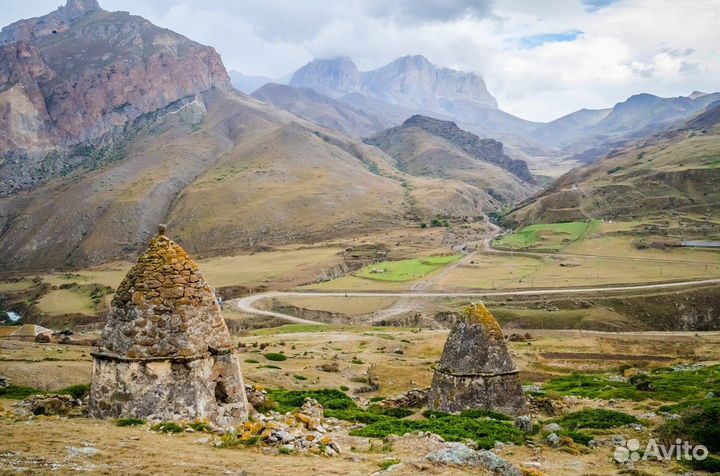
pixel 227 173
pixel 669 176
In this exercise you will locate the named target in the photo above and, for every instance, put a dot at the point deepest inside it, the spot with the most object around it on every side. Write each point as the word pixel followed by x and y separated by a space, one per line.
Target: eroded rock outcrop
pixel 476 370
pixel 165 352
pixel 81 72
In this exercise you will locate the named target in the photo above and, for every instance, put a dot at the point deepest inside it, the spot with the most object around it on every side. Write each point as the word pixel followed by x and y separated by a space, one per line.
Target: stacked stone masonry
pixel 165 352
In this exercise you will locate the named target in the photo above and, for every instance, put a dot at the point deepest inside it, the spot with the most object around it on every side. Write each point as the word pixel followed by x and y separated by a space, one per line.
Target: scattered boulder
pixel 458 454
pixel 330 367
pixel 553 440
pixel 42 338
pixel 415 398
pixel 52 404
pixel 552 428
pixel 524 423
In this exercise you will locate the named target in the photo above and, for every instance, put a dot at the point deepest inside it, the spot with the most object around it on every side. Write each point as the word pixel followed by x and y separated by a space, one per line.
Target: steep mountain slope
pixel 322 109
pixel 671 173
pixel 111 66
pixel 224 170
pixel 431 147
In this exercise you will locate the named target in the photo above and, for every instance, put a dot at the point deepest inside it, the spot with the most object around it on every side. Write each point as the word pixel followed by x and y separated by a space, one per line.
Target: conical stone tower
pixel 476 370
pixel 165 352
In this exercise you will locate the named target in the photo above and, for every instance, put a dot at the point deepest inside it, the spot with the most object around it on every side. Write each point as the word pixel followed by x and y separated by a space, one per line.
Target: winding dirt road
pixel 246 304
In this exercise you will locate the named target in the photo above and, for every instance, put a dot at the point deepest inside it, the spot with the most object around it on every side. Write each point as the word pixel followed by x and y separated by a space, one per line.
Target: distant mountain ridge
pixel 411 81
pixel 322 109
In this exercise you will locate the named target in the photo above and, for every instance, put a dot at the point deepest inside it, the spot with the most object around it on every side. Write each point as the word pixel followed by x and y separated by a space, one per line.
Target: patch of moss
pixel 275 357
pixel 18 392
pixel 485 432
pixel 129 422
pixel 77 391
pixel 698 424
pixel 329 398
pixel 168 427
pixel 478 413
pixel 385 464
pixel 661 384
pixel 597 418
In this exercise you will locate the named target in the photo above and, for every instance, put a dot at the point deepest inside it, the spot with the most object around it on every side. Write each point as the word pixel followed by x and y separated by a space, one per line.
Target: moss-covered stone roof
pixel 476 346
pixel 164 308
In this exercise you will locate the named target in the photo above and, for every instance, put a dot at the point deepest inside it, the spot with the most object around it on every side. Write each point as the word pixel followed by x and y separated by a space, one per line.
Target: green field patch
pixel 546 236
pixel 661 384
pixel 406 269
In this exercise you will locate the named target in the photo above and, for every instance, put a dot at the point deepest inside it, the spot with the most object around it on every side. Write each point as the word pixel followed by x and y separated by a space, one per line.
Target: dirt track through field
pixel 246 304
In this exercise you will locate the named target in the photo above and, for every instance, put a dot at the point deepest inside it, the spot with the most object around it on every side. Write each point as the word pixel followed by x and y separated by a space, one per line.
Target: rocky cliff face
pixel 488 150
pixel 78 73
pixel 334 77
pixel 410 81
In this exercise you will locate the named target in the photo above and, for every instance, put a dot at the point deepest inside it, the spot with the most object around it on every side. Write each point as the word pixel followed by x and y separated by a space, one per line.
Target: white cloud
pixel 663 47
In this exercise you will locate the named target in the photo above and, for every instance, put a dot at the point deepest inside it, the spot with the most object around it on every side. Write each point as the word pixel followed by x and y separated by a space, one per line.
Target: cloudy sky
pixel 540 59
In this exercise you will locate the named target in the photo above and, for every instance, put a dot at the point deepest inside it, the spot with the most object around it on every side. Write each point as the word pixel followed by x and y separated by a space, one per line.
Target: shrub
pixel 77 391
pixel 385 464
pixel 275 357
pixel 17 392
pixel 200 425
pixel 667 384
pixel 168 427
pixel 484 432
pixel 129 421
pixel 698 424
pixel 478 413
pixel 251 361
pixel 344 388
pixel 329 398
pixel 299 377
pixel 595 418
pixel 285 450
pixel 577 436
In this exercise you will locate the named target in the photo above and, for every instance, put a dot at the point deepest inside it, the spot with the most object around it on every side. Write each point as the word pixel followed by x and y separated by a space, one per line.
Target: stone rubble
pixel 459 454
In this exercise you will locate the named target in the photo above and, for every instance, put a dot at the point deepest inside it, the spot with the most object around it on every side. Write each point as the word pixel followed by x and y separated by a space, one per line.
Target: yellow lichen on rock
pixel 477 313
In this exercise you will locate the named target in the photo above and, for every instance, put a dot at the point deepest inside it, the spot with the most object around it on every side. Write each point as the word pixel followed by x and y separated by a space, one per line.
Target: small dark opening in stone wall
pixel 221 395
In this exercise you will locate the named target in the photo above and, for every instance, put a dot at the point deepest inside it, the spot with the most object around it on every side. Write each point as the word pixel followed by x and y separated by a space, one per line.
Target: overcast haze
pixel 540 59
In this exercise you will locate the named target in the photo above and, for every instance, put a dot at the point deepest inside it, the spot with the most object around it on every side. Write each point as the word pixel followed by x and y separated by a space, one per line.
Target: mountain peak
pixel 82 6
pixel 60 20
pixel 333 76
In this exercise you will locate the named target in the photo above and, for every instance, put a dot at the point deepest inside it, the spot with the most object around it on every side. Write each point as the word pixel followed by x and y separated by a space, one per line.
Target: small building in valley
pixel 165 352
pixel 476 370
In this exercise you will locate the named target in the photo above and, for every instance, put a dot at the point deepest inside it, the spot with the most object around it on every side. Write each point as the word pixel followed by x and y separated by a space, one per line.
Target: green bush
pixel 711 464
pixel 698 424
pixel 129 421
pixel 329 398
pixel 667 384
pixel 577 436
pixel 477 413
pixel 251 361
pixel 275 357
pixel 597 418
pixel 485 432
pixel 77 391
pixel 17 392
pixel 299 377
pixel 168 427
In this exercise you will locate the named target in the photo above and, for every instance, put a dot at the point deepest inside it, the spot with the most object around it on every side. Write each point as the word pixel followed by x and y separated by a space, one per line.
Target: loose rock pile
pixel 303 431
pixel 51 404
